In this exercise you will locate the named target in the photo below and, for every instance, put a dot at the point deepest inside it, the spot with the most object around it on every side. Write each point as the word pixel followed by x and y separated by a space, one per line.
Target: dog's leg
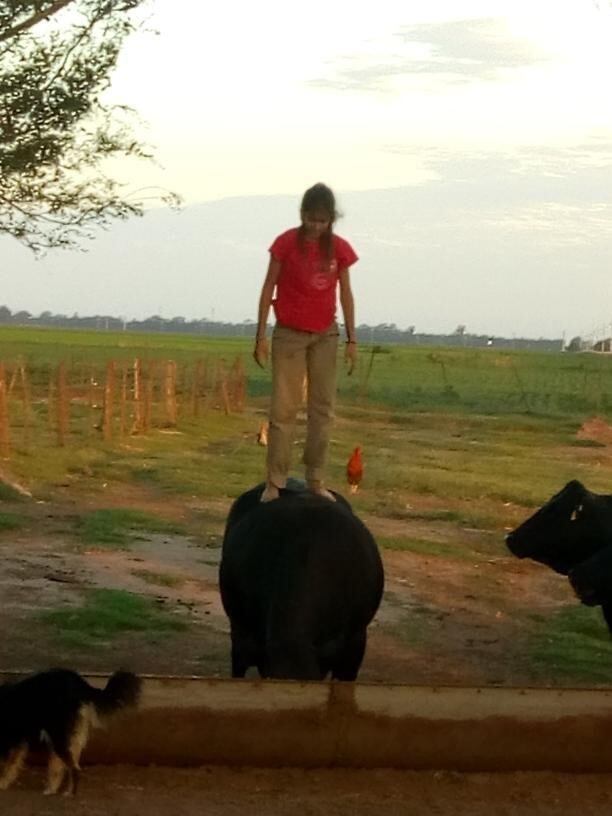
pixel 56 770
pixel 72 770
pixel 68 744
pixel 76 744
pixel 13 765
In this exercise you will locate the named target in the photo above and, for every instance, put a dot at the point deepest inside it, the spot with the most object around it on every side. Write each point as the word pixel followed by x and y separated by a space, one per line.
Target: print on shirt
pixel 322 274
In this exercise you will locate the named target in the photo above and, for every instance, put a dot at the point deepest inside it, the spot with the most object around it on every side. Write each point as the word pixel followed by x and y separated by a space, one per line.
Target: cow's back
pixel 299 572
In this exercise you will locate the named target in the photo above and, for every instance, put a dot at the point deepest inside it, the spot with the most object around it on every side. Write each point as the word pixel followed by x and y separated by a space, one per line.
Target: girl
pixel 306 265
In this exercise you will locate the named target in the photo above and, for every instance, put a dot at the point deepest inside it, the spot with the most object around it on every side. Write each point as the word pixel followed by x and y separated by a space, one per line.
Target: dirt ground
pixel 442 620
pixel 123 791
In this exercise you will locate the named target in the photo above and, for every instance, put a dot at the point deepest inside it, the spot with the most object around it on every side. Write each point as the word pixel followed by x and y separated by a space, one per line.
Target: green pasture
pixel 468 441
pixel 39 346
pixel 478 432
pixel 401 377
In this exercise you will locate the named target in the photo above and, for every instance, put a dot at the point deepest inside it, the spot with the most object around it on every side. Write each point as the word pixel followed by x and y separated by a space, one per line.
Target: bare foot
pixel 270 492
pixel 318 490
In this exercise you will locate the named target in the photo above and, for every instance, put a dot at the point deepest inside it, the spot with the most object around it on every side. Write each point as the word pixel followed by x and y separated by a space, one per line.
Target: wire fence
pixel 112 400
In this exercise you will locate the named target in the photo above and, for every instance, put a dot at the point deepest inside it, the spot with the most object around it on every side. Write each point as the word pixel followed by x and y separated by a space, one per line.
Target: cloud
pixel 488 243
pixel 472 48
pixel 535 199
pixel 575 173
pixel 454 52
pixel 551 223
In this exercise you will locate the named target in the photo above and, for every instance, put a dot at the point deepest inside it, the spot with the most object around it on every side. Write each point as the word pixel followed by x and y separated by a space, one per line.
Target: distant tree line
pixel 381 333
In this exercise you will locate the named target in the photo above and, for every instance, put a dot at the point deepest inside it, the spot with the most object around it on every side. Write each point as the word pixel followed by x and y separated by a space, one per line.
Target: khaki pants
pixel 295 355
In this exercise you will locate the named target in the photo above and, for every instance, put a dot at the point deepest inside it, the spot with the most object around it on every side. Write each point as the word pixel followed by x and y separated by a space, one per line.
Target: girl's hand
pixel 261 351
pixel 350 356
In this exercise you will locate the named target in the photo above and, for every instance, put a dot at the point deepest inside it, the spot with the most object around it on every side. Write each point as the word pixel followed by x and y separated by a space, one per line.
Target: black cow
pixel 592 579
pixel 301 578
pixel 572 534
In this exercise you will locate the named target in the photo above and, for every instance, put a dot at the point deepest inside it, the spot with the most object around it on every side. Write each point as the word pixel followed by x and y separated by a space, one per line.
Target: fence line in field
pixel 5 445
pixel 56 405
pixel 124 398
pixel 482 381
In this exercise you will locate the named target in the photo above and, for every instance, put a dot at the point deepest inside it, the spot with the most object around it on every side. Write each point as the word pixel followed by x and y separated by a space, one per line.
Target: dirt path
pixel 442 620
pixel 123 791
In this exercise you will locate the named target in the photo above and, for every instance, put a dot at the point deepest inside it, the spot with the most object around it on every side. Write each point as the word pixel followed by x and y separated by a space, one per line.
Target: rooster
pixel 354 470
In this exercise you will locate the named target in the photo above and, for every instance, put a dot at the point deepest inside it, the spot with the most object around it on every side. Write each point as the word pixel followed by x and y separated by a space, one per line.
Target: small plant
pixel 574 646
pixel 106 614
pixel 10 521
pixel 8 493
pixel 423 547
pixel 159 578
pixel 116 528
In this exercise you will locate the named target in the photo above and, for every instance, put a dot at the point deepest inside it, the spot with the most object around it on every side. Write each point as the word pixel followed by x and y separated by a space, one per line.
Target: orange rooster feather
pixel 354 470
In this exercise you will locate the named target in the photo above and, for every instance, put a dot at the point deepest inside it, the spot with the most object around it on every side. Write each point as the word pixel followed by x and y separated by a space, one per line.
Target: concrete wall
pixel 195 721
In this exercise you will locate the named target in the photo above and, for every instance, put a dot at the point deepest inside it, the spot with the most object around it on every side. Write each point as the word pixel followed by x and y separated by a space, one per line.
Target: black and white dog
pixel 56 709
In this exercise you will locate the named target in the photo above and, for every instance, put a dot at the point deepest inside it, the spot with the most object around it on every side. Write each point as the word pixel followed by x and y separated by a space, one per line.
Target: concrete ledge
pixel 197 721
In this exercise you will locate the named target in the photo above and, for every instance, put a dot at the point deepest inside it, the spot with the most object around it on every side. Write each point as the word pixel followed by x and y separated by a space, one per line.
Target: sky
pixel 469 143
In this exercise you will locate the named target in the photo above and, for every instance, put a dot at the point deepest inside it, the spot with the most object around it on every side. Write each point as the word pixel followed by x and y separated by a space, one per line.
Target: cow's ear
pixel 576 492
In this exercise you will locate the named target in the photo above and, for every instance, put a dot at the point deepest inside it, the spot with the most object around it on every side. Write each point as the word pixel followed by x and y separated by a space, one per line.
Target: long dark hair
pixel 319 199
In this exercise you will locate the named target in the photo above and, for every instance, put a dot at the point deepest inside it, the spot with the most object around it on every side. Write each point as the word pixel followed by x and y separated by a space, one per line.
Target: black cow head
pixel 570 528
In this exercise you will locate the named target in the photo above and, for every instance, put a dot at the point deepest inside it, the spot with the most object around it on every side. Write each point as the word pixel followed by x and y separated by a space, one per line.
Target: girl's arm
pixel 260 353
pixel 347 303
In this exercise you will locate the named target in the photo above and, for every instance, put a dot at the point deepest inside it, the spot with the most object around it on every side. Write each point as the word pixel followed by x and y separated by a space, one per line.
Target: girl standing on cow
pixel 308 264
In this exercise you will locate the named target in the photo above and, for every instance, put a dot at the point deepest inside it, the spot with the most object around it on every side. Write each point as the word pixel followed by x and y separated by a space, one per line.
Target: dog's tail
pixel 122 691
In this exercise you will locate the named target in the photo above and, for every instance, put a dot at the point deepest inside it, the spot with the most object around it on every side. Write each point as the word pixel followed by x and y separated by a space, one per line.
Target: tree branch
pixel 58 5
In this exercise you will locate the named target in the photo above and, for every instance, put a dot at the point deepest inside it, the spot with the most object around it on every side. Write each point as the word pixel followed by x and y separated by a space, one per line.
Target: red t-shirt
pixel 307 284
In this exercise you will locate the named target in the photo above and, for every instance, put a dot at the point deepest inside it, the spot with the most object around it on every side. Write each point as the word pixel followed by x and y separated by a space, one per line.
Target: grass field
pixel 459 423
pixel 415 378
pixel 456 442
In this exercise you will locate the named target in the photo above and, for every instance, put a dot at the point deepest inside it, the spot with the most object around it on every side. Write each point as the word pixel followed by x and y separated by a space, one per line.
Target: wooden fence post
pixel 13 381
pixel 198 381
pixel 149 394
pixel 124 392
pixel 62 406
pixel 170 393
pixel 238 384
pixel 91 386
pixel 50 397
pixel 109 397
pixel 137 393
pixel 5 446
pixel 221 388
pixel 26 399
